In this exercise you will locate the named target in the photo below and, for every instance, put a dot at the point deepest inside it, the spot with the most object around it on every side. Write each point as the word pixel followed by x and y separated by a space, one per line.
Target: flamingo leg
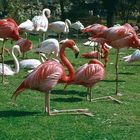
pixel 2 58
pixel 117 74
pixel 60 112
pixel 90 94
pixel 47 103
pixel 59 36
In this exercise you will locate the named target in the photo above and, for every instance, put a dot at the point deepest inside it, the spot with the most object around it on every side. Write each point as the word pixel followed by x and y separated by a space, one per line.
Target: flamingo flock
pixel 54 67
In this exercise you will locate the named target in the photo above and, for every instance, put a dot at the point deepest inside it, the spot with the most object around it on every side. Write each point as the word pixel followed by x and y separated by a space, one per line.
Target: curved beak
pixel 76 55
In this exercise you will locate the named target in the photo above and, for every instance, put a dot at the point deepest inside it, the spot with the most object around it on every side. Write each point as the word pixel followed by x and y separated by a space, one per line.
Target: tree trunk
pixel 62 10
pixel 110 17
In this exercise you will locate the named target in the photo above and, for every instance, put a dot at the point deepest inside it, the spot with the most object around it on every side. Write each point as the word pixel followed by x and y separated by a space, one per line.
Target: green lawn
pixel 111 121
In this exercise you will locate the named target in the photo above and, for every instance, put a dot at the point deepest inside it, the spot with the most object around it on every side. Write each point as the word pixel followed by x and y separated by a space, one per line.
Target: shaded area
pixel 70 100
pixel 113 80
pixel 127 73
pixel 69 92
pixel 15 113
pixel 133 65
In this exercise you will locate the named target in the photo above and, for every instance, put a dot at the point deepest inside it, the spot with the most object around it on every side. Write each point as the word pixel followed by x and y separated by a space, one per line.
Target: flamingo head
pixel 69 43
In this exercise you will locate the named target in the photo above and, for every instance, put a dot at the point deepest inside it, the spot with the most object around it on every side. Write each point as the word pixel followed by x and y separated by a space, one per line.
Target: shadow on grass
pixel 15 113
pixel 133 65
pixel 69 92
pixel 70 100
pixel 113 81
pixel 127 73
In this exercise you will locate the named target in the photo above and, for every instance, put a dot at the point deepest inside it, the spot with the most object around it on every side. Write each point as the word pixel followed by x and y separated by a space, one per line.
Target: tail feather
pixel 18 91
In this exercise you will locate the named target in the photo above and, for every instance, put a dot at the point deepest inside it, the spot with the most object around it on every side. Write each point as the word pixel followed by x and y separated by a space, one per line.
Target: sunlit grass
pixel 111 121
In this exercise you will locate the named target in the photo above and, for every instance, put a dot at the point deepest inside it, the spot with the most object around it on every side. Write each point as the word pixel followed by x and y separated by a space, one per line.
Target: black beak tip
pixel 76 55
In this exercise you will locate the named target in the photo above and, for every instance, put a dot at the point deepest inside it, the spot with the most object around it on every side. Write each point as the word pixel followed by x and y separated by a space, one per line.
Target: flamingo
pixel 94 29
pixel 40 23
pixel 60 27
pixel 49 46
pixel 118 37
pixel 8 29
pixel 25 45
pixel 27 26
pixel 135 56
pixel 7 69
pixel 96 54
pixel 32 63
pixel 37 24
pixel 78 26
pixel 48 75
pixel 88 75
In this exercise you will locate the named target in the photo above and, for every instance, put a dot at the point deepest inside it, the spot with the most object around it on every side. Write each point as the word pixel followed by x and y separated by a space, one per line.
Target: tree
pixel 110 6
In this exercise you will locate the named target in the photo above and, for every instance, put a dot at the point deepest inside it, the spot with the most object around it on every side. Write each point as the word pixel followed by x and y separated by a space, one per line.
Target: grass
pixel 111 121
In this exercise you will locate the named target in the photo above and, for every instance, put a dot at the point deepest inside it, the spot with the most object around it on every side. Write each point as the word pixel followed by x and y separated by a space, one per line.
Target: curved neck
pixel 47 11
pixel 16 70
pixel 65 61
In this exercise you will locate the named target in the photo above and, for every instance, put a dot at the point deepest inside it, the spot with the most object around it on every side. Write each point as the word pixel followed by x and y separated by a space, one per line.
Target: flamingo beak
pixel 76 55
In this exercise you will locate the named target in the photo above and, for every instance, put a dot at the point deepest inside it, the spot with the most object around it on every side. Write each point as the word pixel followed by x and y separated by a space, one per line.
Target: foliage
pixel 21 10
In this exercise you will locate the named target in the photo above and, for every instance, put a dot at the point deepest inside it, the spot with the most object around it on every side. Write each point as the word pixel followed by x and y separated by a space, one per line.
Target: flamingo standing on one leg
pixel 8 29
pixel 48 75
pixel 118 37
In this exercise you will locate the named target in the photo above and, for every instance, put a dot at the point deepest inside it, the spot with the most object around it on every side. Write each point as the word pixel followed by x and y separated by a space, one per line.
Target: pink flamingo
pixel 94 29
pixel 96 54
pixel 8 29
pixel 25 45
pixel 119 37
pixel 48 75
pixel 88 75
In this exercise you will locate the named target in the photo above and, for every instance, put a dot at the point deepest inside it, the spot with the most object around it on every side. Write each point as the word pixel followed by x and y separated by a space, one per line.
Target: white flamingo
pixel 60 27
pixel 32 63
pixel 38 24
pixel 77 26
pixel 49 46
pixel 135 56
pixel 7 69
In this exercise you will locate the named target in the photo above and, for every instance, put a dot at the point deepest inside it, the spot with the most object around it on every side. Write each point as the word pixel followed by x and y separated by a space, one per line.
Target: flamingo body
pixel 40 23
pixel 49 46
pixel 135 56
pixel 29 63
pixel 9 29
pixel 94 29
pixel 77 25
pixel 25 45
pixel 89 74
pixel 27 26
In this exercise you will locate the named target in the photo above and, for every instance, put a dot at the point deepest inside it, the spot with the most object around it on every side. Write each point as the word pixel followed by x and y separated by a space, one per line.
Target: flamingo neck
pixel 48 12
pixel 65 61
pixel 16 70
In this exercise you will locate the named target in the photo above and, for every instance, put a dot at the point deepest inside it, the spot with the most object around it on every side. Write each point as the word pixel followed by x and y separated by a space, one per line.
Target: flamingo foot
pixel 72 111
pixel 108 97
